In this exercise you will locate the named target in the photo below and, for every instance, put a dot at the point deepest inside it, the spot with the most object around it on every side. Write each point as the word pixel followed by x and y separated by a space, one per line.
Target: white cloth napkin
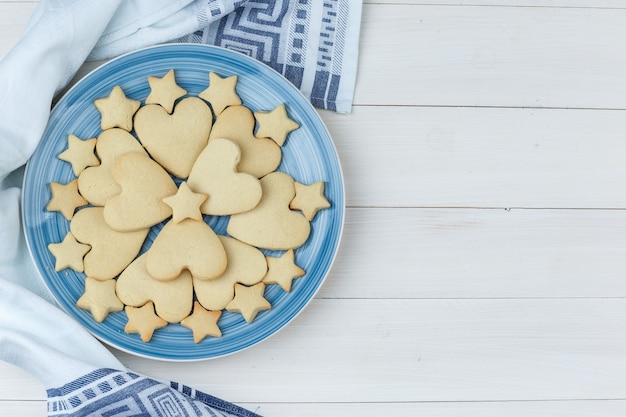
pixel 313 42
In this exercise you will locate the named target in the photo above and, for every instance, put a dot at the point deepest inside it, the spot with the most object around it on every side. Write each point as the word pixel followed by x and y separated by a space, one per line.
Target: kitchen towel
pixel 313 43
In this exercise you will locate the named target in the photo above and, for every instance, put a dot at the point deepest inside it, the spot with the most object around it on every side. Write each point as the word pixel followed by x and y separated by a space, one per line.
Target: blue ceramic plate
pixel 308 156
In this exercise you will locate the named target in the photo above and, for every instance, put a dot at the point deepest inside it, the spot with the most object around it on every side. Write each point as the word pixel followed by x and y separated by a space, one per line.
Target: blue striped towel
pixel 314 43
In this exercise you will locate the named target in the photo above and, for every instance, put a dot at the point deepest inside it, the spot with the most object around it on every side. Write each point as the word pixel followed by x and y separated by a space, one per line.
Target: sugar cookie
pixel 65 198
pixel 189 244
pixel 271 224
pixel 96 183
pixel 117 110
pixel 164 91
pixel 202 323
pixel 221 93
pixel 275 124
pixel 143 321
pixel 176 140
pixel 309 199
pixel 172 299
pixel 246 265
pixel 215 173
pixel 111 251
pixel 80 154
pixel 282 270
pixel 99 299
pixel 69 253
pixel 144 185
pixel 259 156
pixel 249 301
pixel 185 204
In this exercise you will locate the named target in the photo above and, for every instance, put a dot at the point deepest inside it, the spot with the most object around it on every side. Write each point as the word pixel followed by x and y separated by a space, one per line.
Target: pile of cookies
pixel 166 165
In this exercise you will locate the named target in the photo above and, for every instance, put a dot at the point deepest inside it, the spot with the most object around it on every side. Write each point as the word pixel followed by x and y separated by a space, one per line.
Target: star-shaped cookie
pixel 221 92
pixel 275 124
pixel 309 199
pixel 99 299
pixel 143 321
pixel 69 253
pixel 202 323
pixel 65 198
pixel 249 301
pixel 185 204
pixel 282 270
pixel 117 110
pixel 165 91
pixel 80 154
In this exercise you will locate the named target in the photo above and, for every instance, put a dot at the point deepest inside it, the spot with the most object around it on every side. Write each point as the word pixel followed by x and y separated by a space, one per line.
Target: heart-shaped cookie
pixel 172 299
pixel 189 244
pixel 144 185
pixel 271 224
pixel 215 174
pixel 175 140
pixel 111 251
pixel 259 156
pixel 246 265
pixel 96 184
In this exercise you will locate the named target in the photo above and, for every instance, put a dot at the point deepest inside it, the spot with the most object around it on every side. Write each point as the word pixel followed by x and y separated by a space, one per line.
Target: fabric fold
pixel 314 44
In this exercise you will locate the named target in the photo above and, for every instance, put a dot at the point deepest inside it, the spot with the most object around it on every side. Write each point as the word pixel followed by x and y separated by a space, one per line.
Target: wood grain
pixel 492 57
pixel 481 269
pixel 442 350
pixel 472 157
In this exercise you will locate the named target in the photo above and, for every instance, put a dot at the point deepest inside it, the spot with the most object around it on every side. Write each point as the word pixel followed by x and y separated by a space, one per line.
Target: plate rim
pixel 237 56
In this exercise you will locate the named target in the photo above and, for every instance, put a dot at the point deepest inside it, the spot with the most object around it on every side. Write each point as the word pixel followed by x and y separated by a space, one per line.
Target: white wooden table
pixel 482 270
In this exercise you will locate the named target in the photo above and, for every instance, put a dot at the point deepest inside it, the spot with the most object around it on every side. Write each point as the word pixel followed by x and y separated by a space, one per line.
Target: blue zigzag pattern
pixel 279 33
pixel 111 393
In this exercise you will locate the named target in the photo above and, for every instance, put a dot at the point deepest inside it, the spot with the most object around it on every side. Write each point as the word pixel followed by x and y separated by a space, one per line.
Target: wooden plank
pixel 424 350
pixel 23 408
pixel 492 56
pixel 581 408
pixel 588 4
pixel 485 157
pixel 454 253
pixel 16 384
pixel 417 350
pixel 453 409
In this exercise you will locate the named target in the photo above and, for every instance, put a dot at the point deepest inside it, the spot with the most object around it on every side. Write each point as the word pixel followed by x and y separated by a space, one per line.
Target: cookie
pixel 190 245
pixel 282 270
pixel 309 199
pixel 117 110
pixel 65 198
pixel 275 124
pixel 185 204
pixel 99 299
pixel 69 253
pixel 221 93
pixel 144 185
pixel 111 251
pixel 175 140
pixel 215 173
pixel 202 323
pixel 259 156
pixel 172 299
pixel 96 183
pixel 143 321
pixel 246 265
pixel 164 91
pixel 272 224
pixel 249 301
pixel 80 154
